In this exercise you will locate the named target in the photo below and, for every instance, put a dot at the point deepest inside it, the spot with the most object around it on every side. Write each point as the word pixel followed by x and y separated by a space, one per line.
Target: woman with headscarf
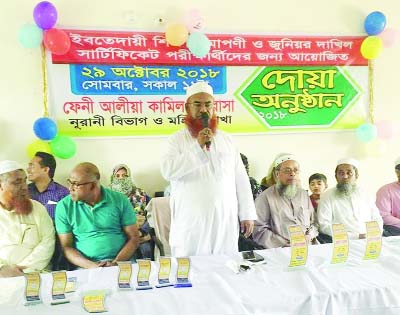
pixel 122 182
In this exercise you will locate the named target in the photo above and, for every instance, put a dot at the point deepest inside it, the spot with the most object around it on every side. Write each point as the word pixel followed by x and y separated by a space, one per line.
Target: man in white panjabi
pixel 347 203
pixel 210 189
pixel 26 229
pixel 283 204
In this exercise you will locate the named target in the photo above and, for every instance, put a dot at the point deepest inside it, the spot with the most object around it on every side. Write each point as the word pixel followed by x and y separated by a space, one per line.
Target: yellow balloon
pixel 371 47
pixel 36 146
pixel 374 148
pixel 176 34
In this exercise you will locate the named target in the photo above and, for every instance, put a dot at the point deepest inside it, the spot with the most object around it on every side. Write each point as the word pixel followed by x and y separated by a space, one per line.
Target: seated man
pixel 284 204
pixel 26 230
pixel 388 203
pixel 96 226
pixel 347 203
pixel 44 189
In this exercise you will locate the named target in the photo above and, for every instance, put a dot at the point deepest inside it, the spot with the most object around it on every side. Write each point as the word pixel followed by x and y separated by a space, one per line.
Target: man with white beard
pixel 347 203
pixel 284 204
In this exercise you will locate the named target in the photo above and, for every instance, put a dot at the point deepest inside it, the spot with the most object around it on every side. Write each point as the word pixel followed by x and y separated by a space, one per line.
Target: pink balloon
pixel 193 20
pixel 386 129
pixel 390 36
pixel 57 41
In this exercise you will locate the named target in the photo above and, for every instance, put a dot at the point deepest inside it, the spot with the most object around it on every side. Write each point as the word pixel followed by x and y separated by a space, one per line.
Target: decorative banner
pixel 340 244
pixel 59 284
pixel 143 48
pixel 32 288
pixel 298 246
pixel 164 272
pixel 374 240
pixel 124 275
pixel 133 84
pixel 143 275
pixel 182 273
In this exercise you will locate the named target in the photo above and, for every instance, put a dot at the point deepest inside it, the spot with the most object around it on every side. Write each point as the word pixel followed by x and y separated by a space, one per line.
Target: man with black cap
pixel 210 189
pixel 26 230
pixel 347 203
pixel 388 202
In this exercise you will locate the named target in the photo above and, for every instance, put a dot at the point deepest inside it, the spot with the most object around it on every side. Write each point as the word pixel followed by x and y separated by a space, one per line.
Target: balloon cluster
pixel 189 32
pixel 384 129
pixel 371 135
pixel 49 141
pixel 58 43
pixel 32 36
pixel 374 24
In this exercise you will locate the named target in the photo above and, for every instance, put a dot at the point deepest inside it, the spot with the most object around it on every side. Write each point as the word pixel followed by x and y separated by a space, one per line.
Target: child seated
pixel 318 184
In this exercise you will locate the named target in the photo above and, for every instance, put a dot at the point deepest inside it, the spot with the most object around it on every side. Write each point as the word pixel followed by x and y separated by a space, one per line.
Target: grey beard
pixel 345 189
pixel 288 191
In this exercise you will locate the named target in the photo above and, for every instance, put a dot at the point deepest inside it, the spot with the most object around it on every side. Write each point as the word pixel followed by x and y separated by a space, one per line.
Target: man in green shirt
pixel 96 226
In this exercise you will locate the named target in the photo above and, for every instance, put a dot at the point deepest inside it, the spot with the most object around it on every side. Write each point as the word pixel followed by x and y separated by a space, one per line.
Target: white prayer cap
pixel 282 158
pixel 7 166
pixel 350 161
pixel 199 87
pixel 397 162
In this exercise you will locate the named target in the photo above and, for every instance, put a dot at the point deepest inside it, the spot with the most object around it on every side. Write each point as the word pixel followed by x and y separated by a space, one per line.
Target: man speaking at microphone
pixel 210 190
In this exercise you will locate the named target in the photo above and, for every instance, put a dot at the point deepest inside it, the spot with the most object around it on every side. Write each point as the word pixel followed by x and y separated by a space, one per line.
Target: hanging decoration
pixel 189 32
pixel 57 42
pixel 371 134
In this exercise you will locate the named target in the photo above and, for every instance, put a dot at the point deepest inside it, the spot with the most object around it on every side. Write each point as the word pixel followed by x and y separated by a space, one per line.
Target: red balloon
pixel 57 41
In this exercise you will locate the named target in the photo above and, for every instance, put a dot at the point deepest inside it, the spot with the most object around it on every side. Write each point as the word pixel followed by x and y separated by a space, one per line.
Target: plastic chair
pixel 159 217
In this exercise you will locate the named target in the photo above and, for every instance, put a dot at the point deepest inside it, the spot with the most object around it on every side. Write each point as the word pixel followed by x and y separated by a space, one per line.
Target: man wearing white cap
pixel 347 203
pixel 26 229
pixel 283 204
pixel 388 202
pixel 210 189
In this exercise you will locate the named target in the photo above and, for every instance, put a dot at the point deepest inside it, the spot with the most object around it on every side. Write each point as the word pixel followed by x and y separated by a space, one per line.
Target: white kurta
pixel 210 192
pixel 351 211
pixel 26 240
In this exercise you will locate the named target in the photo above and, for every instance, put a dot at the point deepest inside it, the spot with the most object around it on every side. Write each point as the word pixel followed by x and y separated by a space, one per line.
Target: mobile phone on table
pixel 252 256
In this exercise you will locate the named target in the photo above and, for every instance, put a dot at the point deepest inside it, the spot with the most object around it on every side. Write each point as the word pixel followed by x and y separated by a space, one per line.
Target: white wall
pixel 21 88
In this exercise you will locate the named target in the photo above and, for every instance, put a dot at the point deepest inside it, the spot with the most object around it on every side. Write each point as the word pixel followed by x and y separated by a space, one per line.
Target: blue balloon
pixel 375 23
pixel 45 128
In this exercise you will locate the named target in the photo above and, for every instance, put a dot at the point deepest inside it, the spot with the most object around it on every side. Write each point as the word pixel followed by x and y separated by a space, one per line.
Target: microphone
pixel 204 121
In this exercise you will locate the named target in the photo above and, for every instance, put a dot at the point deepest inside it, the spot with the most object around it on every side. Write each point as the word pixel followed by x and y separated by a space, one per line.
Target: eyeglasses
pixel 76 184
pixel 198 105
pixel 289 171
pixel 343 173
